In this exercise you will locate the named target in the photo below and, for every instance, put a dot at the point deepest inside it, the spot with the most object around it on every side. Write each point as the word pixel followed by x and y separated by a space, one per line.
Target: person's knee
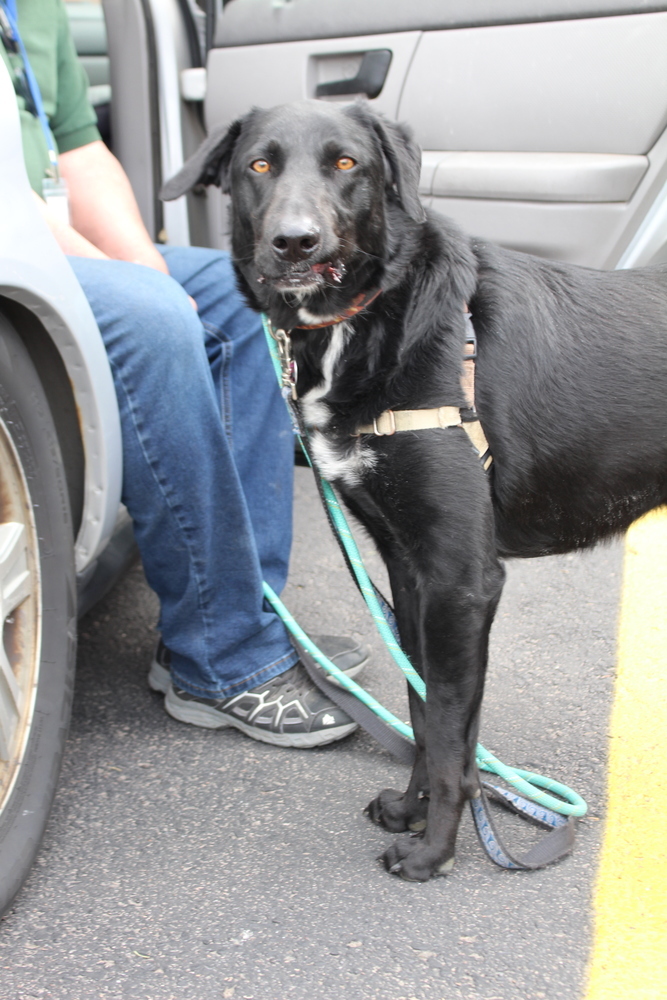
pixel 121 293
pixel 163 315
pixel 184 262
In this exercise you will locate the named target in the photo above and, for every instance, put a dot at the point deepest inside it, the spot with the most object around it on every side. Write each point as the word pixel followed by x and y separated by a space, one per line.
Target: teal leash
pixel 538 804
pixel 346 682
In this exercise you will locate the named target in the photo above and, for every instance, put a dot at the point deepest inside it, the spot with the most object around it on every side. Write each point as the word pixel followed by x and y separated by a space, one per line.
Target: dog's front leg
pixel 394 810
pixel 454 618
pixel 398 811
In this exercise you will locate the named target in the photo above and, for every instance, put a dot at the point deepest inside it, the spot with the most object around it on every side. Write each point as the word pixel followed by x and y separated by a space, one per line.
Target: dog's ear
pixel 402 154
pixel 405 161
pixel 209 165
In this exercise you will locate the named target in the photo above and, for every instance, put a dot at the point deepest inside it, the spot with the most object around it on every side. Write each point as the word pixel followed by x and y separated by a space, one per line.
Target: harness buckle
pixel 392 424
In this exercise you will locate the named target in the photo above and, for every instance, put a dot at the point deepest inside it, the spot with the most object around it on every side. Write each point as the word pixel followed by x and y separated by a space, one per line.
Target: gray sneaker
pixel 288 710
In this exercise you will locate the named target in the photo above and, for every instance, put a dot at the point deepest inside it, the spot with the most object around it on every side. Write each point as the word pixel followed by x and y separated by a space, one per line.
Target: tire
pixel 37 612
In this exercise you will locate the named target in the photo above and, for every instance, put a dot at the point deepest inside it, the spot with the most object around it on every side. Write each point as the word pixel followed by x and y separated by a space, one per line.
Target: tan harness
pixel 395 421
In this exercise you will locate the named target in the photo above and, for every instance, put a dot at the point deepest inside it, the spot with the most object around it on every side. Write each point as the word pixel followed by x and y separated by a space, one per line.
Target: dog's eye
pixel 345 163
pixel 260 166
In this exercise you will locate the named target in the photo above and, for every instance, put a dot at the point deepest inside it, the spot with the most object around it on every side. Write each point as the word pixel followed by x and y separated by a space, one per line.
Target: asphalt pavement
pixel 184 863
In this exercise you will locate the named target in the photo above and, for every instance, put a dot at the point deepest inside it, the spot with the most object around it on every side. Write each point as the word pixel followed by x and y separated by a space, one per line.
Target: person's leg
pixel 254 414
pixel 173 381
pixel 181 483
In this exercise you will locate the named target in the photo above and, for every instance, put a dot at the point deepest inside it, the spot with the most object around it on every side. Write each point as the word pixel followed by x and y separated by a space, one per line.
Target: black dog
pixel 330 239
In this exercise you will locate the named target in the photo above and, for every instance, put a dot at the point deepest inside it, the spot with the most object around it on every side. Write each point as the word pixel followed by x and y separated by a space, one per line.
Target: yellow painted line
pixel 629 956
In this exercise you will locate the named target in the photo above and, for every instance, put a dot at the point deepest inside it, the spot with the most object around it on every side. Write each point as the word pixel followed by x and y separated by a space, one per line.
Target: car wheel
pixel 37 612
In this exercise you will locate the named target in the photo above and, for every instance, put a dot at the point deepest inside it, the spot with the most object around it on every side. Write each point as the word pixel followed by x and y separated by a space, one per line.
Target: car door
pixel 543 122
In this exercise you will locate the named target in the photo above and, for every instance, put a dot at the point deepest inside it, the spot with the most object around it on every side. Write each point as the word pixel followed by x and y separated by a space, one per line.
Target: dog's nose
pixel 296 241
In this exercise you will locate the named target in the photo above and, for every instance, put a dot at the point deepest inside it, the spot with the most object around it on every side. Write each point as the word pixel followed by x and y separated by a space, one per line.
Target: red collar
pixel 359 303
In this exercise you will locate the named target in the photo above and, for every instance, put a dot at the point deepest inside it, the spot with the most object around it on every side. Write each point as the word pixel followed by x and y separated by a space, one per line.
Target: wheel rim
pixel 20 595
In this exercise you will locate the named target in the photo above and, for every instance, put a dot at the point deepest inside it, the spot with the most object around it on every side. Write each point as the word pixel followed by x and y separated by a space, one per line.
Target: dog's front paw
pixel 392 810
pixel 414 861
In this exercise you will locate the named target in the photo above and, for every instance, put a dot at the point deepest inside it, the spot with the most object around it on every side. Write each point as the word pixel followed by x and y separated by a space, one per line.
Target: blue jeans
pixel 207 461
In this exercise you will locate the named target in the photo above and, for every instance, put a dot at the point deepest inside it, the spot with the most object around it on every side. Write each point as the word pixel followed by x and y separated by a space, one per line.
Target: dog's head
pixel 311 185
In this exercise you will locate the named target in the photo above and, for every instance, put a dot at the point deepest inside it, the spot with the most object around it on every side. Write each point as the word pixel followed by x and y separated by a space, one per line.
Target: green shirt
pixel 62 81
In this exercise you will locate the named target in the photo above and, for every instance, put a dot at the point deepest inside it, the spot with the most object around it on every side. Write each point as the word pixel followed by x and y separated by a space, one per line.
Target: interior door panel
pixel 586 86
pixel 243 76
pixel 543 123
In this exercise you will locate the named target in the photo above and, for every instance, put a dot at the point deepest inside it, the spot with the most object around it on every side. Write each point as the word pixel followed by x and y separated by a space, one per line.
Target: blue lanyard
pixel 9 7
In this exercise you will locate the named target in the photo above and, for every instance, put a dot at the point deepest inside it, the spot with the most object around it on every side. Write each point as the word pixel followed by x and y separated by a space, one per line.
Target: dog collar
pixel 359 302
pixel 288 365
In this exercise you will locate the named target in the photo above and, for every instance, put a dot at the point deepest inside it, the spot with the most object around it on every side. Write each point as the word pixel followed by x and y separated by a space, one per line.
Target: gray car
pixel 543 124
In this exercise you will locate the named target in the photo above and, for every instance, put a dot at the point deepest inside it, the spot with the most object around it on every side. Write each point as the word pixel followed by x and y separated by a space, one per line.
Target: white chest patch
pixel 348 461
pixel 315 412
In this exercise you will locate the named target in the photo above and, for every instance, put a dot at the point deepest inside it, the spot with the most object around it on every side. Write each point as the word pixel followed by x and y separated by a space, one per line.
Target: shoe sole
pixel 159 677
pixel 207 717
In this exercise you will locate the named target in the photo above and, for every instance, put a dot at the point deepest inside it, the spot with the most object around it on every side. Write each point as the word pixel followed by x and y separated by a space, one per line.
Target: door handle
pixel 369 79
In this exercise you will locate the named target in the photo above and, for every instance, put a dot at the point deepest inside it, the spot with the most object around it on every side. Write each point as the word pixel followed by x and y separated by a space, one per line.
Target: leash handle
pixel 553 847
